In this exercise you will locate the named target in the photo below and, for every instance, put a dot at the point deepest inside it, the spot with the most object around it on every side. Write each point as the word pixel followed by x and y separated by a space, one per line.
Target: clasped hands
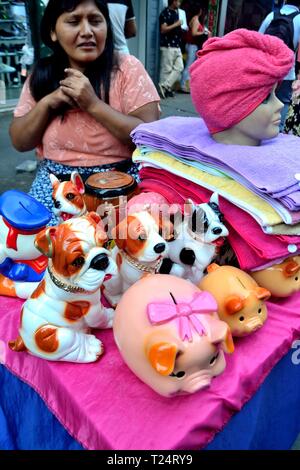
pixel 75 90
pixel 78 88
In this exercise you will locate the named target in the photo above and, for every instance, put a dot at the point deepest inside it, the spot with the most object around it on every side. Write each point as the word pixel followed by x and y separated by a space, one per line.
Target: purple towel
pixel 271 168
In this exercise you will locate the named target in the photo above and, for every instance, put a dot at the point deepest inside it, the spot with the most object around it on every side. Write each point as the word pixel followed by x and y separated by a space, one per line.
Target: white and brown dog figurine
pixel 139 250
pixel 56 319
pixel 67 196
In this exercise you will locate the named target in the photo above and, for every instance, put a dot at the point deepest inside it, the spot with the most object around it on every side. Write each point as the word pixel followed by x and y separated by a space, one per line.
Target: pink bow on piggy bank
pixel 186 314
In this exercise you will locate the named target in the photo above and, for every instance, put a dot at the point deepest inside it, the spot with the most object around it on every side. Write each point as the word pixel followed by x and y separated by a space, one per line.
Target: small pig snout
pixel 100 262
pixel 160 247
pixel 197 381
pixel 253 324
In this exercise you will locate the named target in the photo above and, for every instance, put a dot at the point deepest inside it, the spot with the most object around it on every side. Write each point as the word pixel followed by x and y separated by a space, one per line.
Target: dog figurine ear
pixel 101 235
pixel 54 180
pixel 214 199
pixel 44 241
pixel 77 181
pixel 119 233
pixel 94 217
pixel 189 207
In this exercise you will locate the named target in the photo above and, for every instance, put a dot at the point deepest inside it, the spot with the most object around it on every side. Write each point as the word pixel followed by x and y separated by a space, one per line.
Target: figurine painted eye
pixel 70 196
pixel 242 318
pixel 78 262
pixel 296 278
pixel 142 237
pixel 179 374
pixel 214 359
pixel 259 310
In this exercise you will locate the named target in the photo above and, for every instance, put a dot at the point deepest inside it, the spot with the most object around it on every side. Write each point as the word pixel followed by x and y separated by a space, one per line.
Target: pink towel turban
pixel 234 74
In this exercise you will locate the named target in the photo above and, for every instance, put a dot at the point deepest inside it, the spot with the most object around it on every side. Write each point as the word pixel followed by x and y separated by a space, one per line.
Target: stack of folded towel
pixel 259 186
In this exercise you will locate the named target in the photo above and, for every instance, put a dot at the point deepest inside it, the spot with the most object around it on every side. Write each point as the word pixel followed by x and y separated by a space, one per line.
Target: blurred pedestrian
pixel 197 35
pixel 123 23
pixel 291 8
pixel 171 61
pixel 292 122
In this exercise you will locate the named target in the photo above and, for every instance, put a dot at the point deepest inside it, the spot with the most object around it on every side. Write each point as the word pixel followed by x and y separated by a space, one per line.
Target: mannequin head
pixel 233 84
pixel 263 123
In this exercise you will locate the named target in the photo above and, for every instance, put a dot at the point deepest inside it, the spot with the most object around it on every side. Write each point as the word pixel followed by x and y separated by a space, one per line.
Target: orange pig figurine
pixel 282 279
pixel 169 334
pixel 241 302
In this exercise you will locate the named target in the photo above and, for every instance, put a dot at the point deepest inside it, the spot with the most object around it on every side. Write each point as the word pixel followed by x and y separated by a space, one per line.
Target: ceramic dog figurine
pixel 198 237
pixel 21 264
pixel 56 319
pixel 169 334
pixel 139 250
pixel 281 279
pixel 68 197
pixel 241 301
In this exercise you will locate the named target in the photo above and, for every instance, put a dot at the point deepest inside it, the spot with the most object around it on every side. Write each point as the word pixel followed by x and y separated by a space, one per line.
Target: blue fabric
pixel 270 420
pixel 25 422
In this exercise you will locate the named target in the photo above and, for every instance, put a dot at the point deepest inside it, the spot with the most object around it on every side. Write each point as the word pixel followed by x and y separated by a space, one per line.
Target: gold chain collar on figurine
pixel 66 287
pixel 142 267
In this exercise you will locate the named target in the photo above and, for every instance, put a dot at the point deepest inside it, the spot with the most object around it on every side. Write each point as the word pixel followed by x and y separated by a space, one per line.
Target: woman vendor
pixel 79 105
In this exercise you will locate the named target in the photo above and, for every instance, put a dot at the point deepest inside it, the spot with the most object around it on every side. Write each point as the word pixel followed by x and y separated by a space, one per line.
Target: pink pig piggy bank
pixel 281 279
pixel 170 336
pixel 240 300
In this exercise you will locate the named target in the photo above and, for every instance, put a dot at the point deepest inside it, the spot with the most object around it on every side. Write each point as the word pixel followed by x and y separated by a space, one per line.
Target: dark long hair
pixel 48 71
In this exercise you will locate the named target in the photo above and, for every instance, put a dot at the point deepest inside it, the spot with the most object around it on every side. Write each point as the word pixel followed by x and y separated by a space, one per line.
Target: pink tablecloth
pixel 104 406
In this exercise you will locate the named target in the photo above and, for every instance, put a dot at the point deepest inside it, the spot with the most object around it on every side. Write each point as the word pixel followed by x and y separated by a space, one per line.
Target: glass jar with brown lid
pixel 107 190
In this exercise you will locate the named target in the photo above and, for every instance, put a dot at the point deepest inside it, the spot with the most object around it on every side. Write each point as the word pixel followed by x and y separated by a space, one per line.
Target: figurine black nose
pixel 159 248
pixel 216 230
pixel 57 204
pixel 100 262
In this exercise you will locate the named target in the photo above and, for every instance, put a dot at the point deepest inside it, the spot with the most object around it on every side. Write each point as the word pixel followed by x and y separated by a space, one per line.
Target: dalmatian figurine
pixel 199 235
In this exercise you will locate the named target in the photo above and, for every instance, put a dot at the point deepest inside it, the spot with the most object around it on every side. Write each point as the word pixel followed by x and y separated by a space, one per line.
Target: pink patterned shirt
pixel 79 140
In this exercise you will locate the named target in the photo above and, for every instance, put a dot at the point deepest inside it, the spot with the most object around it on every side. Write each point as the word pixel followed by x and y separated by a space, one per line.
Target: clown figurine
pixel 21 264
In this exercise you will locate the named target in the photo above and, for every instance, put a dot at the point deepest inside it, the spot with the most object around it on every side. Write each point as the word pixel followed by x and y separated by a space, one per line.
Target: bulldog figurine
pixel 241 302
pixel 68 197
pixel 56 319
pixel 170 336
pixel 139 250
pixel 282 279
pixel 198 238
pixel 21 264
